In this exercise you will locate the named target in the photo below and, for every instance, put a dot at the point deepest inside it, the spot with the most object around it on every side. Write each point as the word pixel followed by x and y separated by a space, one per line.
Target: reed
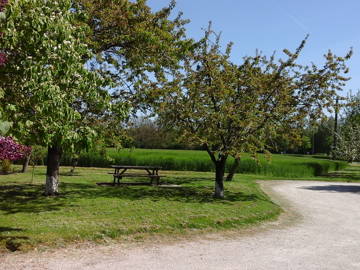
pixel 295 166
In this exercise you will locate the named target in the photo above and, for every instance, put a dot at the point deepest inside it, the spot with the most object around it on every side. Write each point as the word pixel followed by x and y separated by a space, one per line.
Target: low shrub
pixel 5 166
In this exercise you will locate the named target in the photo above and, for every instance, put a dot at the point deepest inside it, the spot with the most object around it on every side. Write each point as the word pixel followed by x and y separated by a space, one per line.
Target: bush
pixel 5 166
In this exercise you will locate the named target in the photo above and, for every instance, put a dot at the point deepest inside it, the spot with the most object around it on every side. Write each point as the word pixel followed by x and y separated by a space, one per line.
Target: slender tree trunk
pixel 26 163
pixel 335 129
pixel 219 172
pixel 52 172
pixel 233 169
pixel 219 179
pixel 74 163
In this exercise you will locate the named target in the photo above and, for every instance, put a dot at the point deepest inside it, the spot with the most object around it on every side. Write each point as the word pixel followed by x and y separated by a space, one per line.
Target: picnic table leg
pixel 157 177
pixel 157 180
pixel 115 173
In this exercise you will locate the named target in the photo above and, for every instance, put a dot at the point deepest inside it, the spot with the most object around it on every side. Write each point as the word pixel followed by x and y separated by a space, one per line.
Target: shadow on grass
pixel 70 174
pixel 181 180
pixel 29 198
pixel 322 169
pixel 12 243
pixel 201 194
pixel 335 188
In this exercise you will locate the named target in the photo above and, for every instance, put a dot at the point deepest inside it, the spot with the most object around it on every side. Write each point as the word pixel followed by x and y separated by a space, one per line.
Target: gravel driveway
pixel 320 230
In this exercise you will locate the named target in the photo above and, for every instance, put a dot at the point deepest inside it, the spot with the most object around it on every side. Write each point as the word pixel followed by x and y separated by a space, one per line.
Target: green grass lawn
pixel 87 212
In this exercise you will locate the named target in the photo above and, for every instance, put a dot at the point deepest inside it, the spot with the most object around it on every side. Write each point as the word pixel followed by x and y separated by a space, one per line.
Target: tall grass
pixel 192 160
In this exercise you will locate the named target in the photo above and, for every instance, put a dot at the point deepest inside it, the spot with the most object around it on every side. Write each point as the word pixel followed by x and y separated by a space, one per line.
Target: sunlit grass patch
pixel 87 212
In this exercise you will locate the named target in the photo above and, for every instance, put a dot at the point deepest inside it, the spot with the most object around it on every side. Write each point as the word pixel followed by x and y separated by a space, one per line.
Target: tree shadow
pixel 70 174
pixel 12 243
pixel 181 180
pixel 27 198
pixel 335 188
pixel 319 169
pixel 186 194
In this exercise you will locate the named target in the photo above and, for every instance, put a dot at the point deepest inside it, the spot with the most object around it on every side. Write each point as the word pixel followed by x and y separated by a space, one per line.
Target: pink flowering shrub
pixel 10 150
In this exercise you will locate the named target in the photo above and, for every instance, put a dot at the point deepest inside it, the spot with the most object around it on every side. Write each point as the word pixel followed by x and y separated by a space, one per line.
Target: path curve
pixel 326 236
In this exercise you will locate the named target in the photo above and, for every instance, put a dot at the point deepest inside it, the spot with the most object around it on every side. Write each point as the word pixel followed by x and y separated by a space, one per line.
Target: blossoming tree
pixel 45 84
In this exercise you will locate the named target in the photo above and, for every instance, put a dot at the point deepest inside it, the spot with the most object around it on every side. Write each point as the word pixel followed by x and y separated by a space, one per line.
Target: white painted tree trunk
pixel 51 186
pixel 52 172
pixel 219 190
pixel 219 178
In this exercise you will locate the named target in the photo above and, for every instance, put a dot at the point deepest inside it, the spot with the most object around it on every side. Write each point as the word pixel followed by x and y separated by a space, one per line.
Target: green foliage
pixel 134 45
pixel 46 85
pixel 352 110
pixel 233 108
pixel 147 133
pixel 348 143
pixel 348 135
pixel 38 155
pixel 4 127
pixel 293 166
pixel 5 166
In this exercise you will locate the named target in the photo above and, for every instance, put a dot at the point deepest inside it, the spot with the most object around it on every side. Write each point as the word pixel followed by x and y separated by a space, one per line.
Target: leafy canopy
pixel 134 45
pixel 46 85
pixel 231 108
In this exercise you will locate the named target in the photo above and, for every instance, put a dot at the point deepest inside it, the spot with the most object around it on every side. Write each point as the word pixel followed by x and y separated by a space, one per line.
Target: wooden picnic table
pixel 152 172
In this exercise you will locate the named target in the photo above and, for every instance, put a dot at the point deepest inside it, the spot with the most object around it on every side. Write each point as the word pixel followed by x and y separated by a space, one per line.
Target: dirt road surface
pixel 320 230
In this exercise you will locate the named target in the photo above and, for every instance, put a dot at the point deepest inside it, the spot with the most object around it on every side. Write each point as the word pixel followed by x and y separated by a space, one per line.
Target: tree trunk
pixel 74 163
pixel 233 169
pixel 52 172
pixel 26 163
pixel 219 179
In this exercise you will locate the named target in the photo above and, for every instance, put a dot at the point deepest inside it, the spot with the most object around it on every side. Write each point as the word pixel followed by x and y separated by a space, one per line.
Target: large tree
pixel 231 108
pixel 46 86
pixel 51 97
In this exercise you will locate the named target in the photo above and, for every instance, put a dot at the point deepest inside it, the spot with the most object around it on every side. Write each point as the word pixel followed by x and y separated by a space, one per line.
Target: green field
pixel 87 212
pixel 294 166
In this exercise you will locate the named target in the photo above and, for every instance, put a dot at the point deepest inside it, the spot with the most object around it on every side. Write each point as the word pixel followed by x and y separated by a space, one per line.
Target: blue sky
pixel 272 25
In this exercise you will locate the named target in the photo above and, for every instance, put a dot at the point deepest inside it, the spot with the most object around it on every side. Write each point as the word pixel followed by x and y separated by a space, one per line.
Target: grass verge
pixel 87 212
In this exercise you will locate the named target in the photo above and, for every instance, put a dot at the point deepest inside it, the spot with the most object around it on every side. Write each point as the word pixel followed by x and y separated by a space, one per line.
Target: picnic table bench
pixel 151 172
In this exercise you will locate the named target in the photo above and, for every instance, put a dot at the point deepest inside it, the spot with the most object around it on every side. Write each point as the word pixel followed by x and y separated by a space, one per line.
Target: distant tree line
pixel 148 133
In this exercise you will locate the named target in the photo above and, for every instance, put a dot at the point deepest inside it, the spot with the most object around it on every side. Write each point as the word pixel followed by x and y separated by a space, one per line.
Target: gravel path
pixel 323 234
